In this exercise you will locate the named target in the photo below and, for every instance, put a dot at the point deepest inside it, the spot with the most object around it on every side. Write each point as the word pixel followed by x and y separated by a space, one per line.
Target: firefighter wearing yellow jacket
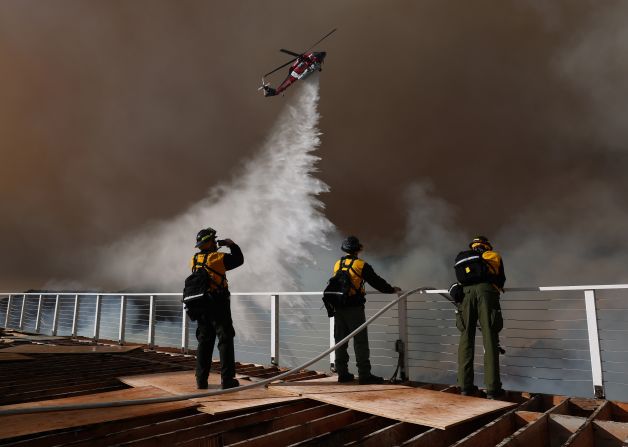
pixel 349 315
pixel 480 270
pixel 216 321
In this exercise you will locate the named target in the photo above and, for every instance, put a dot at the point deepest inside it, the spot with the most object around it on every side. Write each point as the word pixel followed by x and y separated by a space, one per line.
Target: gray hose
pixel 157 400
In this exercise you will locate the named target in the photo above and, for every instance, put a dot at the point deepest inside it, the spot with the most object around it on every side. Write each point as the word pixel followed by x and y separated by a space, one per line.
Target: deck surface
pixel 183 382
pixel 414 405
pixel 24 424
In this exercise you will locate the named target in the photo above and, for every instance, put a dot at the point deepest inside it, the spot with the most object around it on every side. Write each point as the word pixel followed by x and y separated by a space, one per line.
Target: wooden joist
pixel 22 424
pixel 67 349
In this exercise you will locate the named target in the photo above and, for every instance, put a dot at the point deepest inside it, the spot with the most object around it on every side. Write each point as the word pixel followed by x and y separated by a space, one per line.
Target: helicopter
pixel 301 66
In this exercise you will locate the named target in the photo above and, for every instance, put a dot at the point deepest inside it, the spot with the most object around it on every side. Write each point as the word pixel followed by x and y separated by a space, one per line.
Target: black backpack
pixel 197 296
pixel 338 288
pixel 471 268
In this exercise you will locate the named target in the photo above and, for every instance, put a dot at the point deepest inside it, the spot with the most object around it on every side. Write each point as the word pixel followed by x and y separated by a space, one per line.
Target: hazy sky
pixel 114 114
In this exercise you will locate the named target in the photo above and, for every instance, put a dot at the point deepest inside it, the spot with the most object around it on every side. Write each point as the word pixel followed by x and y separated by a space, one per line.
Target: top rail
pixel 313 293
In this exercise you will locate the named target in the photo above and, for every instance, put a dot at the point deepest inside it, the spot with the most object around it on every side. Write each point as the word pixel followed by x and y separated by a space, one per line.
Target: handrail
pixel 180 397
pixel 20 298
pixel 432 291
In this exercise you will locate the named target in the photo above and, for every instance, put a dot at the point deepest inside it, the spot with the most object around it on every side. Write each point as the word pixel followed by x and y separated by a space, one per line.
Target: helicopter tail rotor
pixel 268 90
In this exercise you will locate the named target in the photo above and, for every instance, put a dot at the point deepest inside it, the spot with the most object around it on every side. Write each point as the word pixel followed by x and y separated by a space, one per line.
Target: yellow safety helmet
pixel 480 241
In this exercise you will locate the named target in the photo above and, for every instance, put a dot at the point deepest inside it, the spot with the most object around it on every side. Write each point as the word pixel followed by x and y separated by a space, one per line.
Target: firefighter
pixel 216 321
pixel 480 270
pixel 349 314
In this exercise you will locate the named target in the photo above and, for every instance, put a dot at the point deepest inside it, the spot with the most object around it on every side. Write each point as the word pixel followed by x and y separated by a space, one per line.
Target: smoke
pixel 270 208
pixel 597 66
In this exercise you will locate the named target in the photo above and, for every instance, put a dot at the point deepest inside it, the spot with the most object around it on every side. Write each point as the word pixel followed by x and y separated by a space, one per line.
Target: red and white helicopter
pixel 300 67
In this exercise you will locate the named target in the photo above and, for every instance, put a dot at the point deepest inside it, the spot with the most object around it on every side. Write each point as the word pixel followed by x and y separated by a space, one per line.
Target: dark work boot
pixel 201 383
pixel 230 383
pixel 371 380
pixel 496 395
pixel 345 377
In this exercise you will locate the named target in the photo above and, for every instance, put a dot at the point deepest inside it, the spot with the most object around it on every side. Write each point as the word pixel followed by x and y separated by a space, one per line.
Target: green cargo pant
pixel 346 320
pixel 481 302
pixel 216 323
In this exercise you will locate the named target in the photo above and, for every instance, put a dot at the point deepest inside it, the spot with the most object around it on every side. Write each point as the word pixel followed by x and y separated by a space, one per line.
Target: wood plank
pixel 608 433
pixel 303 388
pixel 570 423
pixel 184 382
pixel 176 382
pixel 302 431
pixel 265 419
pixel 348 434
pixel 562 427
pixel 227 406
pixel 492 433
pixel 533 434
pixel 24 424
pixel 444 438
pixel 415 405
pixel 67 349
pixel 394 434
pixel 13 357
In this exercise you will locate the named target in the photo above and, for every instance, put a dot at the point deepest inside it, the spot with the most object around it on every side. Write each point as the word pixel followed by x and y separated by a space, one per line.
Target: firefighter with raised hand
pixel 349 313
pixel 216 320
pixel 480 270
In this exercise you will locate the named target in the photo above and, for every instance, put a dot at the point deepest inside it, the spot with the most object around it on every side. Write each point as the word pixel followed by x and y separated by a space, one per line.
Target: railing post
pixel 55 317
pixel 6 318
pixel 185 339
pixel 151 323
pixel 97 319
pixel 332 342
pixel 22 312
pixel 594 344
pixel 274 329
pixel 121 326
pixel 75 316
pixel 402 315
pixel 38 320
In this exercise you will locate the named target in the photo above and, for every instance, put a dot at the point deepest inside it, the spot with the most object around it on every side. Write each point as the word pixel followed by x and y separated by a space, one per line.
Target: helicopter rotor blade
pixel 320 40
pixel 291 53
pixel 281 66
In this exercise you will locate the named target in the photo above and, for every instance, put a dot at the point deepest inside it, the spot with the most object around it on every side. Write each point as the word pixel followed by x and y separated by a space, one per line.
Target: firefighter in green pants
pixel 349 315
pixel 480 270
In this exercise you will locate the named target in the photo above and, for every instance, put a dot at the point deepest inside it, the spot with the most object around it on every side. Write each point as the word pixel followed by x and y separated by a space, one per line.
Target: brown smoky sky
pixel 114 114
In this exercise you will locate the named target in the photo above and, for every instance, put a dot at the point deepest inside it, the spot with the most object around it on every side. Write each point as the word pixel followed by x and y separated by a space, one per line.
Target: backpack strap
pixel 350 267
pixel 204 265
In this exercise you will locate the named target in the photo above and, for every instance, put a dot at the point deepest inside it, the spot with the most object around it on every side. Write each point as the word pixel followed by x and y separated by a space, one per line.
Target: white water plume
pixel 270 209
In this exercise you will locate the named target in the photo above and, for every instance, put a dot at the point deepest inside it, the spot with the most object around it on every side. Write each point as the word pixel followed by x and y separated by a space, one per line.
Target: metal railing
pixel 556 341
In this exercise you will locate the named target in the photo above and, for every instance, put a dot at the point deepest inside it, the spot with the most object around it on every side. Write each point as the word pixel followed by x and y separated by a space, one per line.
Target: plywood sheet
pixel 415 405
pixel 226 406
pixel 13 357
pixel 73 349
pixel 178 382
pixel 303 388
pixel 24 424
pixel 184 382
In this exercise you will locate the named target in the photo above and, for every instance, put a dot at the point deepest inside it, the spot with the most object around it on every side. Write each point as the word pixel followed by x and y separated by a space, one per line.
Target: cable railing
pixel 556 342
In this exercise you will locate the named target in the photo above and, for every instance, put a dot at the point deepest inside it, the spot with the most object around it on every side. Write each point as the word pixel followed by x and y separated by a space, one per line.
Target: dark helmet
pixel 205 235
pixel 480 241
pixel 351 245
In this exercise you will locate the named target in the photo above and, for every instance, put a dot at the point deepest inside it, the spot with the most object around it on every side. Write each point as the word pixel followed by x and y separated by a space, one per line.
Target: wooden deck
pixel 317 412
